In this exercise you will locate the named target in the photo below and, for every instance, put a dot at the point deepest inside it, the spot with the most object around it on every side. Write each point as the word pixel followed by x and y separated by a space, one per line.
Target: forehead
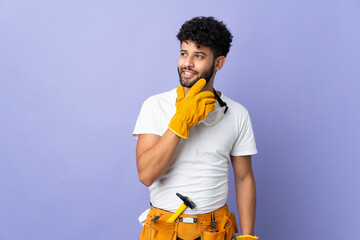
pixel 192 46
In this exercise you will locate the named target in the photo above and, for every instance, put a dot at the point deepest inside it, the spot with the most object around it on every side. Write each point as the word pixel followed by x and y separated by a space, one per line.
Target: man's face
pixel 195 63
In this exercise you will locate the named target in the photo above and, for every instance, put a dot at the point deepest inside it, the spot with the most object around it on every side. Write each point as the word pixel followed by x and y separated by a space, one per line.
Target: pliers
pixel 213 223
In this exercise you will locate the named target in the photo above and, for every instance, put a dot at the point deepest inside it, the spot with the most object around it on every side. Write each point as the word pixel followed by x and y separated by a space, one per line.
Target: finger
pixel 180 93
pixel 205 94
pixel 197 87
pixel 207 101
pixel 208 109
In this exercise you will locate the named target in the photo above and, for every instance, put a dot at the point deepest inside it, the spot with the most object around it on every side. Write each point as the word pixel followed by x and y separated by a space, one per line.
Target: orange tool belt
pixel 189 227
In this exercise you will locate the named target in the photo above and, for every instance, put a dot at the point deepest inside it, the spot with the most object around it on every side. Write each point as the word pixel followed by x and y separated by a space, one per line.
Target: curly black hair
pixel 209 32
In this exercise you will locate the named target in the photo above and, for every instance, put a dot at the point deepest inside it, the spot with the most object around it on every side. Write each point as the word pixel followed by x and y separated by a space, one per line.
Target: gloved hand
pixel 247 237
pixel 191 109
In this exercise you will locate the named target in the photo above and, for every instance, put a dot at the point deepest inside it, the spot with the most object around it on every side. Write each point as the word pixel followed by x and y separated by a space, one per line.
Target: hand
pixel 191 109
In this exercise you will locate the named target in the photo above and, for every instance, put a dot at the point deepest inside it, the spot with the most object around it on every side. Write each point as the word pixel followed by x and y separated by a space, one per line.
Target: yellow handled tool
pixel 186 203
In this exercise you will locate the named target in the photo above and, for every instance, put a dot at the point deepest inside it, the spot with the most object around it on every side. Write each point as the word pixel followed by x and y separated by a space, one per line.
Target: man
pixel 186 138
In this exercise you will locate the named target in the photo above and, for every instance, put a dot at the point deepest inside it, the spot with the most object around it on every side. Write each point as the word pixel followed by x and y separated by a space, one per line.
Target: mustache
pixel 189 69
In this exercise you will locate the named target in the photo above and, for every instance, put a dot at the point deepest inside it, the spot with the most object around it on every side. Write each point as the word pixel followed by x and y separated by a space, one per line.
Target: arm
pixel 245 192
pixel 154 154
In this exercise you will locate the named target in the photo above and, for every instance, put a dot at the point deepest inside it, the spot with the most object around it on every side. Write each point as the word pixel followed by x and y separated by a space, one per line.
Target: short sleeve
pixel 245 142
pixel 147 121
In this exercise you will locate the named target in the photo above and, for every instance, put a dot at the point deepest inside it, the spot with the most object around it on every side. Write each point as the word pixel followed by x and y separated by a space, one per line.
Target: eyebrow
pixel 197 52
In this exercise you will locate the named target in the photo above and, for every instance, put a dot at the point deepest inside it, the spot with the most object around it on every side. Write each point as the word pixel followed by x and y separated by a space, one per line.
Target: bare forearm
pixel 153 162
pixel 246 203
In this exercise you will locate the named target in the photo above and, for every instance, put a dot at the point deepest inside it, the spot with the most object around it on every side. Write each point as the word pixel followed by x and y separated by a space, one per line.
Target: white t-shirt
pixel 199 168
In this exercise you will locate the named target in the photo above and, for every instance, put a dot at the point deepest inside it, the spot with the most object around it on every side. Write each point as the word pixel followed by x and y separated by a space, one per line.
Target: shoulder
pixel 235 107
pixel 159 99
pixel 162 97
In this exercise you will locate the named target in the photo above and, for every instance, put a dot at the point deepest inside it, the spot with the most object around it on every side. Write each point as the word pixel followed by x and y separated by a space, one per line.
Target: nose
pixel 189 62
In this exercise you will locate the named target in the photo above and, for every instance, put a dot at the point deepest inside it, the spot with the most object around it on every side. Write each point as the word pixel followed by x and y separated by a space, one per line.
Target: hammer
pixel 186 203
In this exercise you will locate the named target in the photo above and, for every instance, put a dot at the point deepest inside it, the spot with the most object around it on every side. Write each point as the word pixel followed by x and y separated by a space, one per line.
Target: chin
pixel 188 83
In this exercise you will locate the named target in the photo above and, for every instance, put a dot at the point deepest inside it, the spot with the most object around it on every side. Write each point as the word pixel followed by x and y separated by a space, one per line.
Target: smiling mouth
pixel 188 73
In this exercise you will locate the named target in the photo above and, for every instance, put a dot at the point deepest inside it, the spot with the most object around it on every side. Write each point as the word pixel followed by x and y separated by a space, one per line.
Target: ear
pixel 219 62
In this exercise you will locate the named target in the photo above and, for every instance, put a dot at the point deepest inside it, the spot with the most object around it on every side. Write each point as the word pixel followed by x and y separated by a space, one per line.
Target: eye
pixel 199 56
pixel 183 54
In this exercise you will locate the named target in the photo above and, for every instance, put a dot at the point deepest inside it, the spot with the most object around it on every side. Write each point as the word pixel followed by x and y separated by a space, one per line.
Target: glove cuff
pixel 179 127
pixel 247 237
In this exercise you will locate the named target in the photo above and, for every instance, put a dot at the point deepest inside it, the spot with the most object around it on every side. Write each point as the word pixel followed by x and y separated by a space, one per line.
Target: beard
pixel 206 75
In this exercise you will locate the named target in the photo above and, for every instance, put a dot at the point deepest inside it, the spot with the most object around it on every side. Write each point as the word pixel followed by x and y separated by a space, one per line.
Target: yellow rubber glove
pixel 191 109
pixel 247 237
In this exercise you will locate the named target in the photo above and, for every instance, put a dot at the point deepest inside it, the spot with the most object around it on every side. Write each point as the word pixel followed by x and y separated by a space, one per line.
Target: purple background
pixel 75 73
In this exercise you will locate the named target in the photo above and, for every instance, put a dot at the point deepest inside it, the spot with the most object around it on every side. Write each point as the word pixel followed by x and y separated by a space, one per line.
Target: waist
pixel 203 217
pixel 206 198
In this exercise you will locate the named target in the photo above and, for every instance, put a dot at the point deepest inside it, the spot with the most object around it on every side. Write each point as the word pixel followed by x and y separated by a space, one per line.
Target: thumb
pixel 180 93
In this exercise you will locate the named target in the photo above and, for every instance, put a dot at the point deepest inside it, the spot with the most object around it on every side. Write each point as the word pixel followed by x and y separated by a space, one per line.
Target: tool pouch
pixel 226 228
pixel 162 230
pixel 158 230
